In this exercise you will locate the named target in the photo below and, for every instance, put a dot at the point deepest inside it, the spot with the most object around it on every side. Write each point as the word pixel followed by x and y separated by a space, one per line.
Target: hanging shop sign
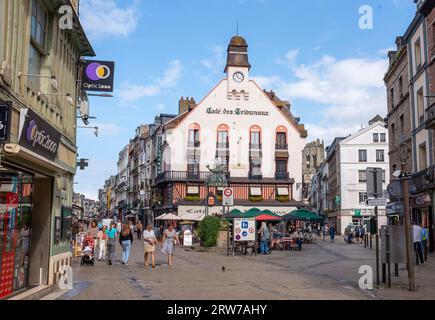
pixel 38 135
pixel 420 200
pixel 5 122
pixel 98 75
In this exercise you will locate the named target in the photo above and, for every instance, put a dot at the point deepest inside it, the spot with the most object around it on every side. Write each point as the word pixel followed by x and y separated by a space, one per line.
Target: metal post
pixel 384 273
pixel 371 244
pixel 388 256
pixel 409 262
pixel 396 269
pixel 377 246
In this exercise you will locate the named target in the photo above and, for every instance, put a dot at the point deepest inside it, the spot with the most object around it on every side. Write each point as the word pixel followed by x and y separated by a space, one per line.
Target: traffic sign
pixel 243 228
pixel 374 182
pixel 228 197
pixel 377 202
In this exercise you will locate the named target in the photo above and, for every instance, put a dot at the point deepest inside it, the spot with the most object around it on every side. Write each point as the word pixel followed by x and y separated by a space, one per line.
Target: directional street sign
pixel 377 202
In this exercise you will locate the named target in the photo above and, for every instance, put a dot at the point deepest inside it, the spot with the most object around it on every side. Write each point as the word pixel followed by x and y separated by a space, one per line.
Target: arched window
pixel 281 138
pixel 222 136
pixel 255 137
pixel 194 130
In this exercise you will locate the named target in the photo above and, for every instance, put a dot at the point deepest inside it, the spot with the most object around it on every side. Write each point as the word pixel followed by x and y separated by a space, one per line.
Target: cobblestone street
pixel 321 271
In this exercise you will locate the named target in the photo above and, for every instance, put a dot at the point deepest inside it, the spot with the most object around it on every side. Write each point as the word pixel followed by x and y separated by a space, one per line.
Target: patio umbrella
pixel 306 215
pixel 268 215
pixel 160 217
pixel 171 216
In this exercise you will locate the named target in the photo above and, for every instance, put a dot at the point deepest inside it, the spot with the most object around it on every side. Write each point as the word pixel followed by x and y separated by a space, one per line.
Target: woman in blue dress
pixel 170 238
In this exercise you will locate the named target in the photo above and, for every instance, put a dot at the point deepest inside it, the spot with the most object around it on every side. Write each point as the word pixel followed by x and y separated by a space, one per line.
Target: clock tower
pixel 237 69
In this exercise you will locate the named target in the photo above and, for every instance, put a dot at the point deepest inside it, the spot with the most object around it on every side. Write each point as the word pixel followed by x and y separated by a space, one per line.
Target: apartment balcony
pixel 222 145
pixel 281 146
pixel 422 180
pixel 282 176
pixel 194 144
pixel 255 176
pixel 183 176
pixel 255 150
pixel 430 117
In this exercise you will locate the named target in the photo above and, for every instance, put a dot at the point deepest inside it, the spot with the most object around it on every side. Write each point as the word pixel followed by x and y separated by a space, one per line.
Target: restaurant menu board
pixel 244 229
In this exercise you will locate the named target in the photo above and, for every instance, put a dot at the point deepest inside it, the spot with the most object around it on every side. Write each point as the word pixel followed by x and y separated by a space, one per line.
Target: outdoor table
pixel 287 242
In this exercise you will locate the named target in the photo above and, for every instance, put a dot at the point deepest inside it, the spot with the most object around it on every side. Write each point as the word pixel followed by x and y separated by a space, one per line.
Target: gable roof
pixel 362 131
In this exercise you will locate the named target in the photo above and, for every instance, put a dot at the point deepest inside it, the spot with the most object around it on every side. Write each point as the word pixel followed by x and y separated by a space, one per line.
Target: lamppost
pixel 404 150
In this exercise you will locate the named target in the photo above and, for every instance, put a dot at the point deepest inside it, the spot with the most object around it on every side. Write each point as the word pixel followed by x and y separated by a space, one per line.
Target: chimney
pixel 183 105
pixel 192 104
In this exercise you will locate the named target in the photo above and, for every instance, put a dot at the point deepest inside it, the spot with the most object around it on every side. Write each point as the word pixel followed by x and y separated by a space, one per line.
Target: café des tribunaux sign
pixel 98 76
pixel 37 135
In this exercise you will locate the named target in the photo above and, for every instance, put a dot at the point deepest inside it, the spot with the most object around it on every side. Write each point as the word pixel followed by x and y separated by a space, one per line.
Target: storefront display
pixel 15 229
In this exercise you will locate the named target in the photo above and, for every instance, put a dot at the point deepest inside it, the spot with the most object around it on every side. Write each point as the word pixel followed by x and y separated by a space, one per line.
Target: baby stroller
pixel 88 251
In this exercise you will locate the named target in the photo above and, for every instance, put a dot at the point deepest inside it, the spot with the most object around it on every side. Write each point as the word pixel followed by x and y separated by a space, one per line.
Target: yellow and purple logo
pixel 96 71
pixel 32 130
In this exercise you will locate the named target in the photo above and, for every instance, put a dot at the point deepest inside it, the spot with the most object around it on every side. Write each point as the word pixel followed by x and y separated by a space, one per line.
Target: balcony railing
pixel 430 117
pixel 281 176
pixel 281 146
pixel 223 145
pixel 421 179
pixel 194 144
pixel 255 146
pixel 255 175
pixel 194 176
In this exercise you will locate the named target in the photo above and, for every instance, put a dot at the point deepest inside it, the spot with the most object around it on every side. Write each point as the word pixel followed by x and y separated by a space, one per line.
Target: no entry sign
pixel 228 197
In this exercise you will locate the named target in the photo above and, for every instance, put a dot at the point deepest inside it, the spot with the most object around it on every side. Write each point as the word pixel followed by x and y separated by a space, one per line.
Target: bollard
pixel 396 269
pixel 384 273
pixel 371 246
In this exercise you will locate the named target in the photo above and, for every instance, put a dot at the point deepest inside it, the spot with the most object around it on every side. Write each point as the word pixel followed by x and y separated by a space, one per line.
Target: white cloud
pixel 290 58
pixel 132 92
pixel 104 18
pixel 217 62
pixel 351 89
pixel 160 107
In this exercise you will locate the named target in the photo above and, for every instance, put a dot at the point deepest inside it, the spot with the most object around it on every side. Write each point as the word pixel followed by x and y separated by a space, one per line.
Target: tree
pixel 208 230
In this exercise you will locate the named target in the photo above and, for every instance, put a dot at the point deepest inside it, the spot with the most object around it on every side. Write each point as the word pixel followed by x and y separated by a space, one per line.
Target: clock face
pixel 238 77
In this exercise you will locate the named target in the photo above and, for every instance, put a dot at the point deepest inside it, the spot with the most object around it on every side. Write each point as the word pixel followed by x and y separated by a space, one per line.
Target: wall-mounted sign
pixel 98 76
pixel 5 123
pixel 421 199
pixel 38 135
pixel 236 111
pixel 228 197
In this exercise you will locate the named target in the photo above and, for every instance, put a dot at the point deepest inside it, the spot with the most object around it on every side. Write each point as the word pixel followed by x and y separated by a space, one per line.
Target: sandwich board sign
pixel 244 229
pixel 228 197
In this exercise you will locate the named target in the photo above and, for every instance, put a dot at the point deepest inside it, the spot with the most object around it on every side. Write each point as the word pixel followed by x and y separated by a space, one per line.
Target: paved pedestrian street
pixel 320 271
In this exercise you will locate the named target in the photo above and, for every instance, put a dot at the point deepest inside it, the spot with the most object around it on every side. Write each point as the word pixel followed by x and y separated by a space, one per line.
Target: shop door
pixel 15 231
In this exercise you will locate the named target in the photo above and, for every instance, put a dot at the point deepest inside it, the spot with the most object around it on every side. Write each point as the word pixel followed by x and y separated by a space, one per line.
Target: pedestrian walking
pixel 150 242
pixel 169 240
pixel 416 235
pixel 332 233
pixel 102 240
pixel 111 237
pixel 126 240
pixel 139 230
pixel 93 231
pixel 325 231
pixel 424 236
pixel 264 238
pixel 119 227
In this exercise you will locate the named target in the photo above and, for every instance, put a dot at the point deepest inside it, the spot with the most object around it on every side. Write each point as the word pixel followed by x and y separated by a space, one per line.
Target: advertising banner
pixel 98 76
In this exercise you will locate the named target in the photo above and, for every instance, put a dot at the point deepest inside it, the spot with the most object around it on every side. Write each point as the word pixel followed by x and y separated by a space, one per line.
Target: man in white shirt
pixel 416 236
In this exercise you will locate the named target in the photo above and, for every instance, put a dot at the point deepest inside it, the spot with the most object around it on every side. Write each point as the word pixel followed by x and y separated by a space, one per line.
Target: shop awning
pixel 193 216
pixel 160 217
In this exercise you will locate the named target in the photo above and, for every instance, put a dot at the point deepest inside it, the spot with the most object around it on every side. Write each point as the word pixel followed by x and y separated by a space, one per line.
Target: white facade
pixel 220 107
pixel 352 176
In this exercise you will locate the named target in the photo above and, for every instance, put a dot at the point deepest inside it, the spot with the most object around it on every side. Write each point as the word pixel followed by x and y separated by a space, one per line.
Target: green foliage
pixel 190 197
pixel 283 198
pixel 255 198
pixel 208 230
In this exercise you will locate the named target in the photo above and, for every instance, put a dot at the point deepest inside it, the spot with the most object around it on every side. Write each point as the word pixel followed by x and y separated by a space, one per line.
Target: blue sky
pixel 312 53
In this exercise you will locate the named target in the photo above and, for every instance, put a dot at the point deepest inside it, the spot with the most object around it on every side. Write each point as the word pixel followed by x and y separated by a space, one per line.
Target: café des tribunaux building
pixel 38 142
pixel 245 129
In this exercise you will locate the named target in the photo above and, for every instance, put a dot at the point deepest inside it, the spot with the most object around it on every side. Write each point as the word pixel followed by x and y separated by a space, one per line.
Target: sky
pixel 312 53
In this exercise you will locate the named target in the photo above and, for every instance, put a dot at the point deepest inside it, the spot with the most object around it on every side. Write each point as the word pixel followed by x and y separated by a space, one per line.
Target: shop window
pixel 15 229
